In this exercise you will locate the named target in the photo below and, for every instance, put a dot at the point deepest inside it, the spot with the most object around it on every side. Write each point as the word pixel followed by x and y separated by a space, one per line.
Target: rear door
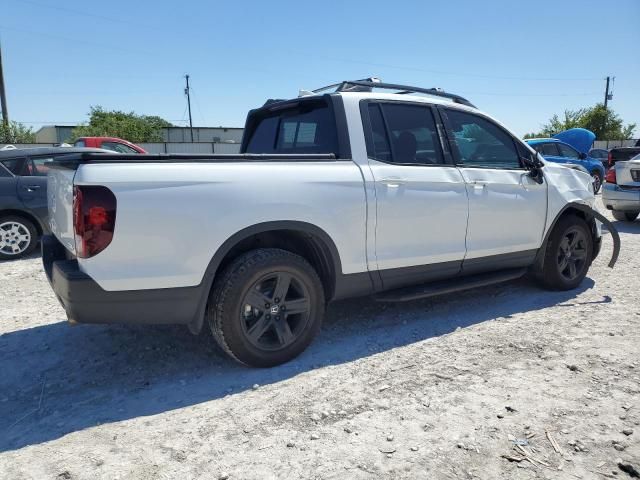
pixel 421 200
pixel 8 189
pixel 32 186
pixel 507 208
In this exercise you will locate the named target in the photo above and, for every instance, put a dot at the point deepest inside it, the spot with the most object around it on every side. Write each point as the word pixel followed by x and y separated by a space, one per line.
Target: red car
pixel 109 143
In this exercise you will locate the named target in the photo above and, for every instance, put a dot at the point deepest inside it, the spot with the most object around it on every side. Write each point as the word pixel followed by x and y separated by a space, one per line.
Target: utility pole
pixel 186 92
pixel 3 95
pixel 607 97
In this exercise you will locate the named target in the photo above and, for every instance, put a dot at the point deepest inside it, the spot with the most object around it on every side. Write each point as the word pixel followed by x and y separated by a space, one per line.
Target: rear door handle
pixel 479 185
pixel 393 182
pixel 33 188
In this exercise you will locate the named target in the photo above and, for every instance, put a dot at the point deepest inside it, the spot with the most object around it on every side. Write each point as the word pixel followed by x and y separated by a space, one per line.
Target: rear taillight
pixel 94 219
pixel 610 160
pixel 610 177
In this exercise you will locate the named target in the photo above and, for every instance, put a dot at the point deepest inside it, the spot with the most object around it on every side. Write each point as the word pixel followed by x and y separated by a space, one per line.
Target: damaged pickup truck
pixel 344 191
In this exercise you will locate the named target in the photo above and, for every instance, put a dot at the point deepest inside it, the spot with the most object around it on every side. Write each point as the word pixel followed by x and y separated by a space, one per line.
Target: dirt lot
pixel 437 389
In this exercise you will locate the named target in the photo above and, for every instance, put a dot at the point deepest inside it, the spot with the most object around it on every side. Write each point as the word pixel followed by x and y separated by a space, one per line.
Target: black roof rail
pixel 368 84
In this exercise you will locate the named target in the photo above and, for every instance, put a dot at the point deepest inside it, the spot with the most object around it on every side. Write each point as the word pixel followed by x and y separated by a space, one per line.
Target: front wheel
pixel 18 237
pixel 625 216
pixel 568 254
pixel 266 307
pixel 596 179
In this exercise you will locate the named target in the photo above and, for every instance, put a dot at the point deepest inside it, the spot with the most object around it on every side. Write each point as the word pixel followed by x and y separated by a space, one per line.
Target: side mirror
pixel 582 156
pixel 534 165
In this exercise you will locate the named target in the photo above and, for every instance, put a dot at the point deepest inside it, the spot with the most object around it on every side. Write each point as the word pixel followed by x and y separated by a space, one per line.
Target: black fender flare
pixel 212 269
pixel 591 214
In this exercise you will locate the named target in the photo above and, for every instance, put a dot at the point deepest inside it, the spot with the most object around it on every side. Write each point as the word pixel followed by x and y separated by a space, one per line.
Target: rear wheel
pixel 18 237
pixel 568 254
pixel 596 179
pixel 625 216
pixel 266 307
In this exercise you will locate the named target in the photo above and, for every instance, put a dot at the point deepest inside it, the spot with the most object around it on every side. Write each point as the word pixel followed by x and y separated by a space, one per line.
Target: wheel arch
pixel 305 239
pixel 12 212
pixel 589 216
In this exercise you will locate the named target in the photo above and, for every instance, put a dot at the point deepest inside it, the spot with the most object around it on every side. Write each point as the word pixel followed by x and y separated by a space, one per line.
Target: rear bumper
pixel 86 302
pixel 616 198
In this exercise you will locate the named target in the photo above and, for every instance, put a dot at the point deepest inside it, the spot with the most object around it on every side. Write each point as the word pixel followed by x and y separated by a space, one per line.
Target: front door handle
pixel 393 182
pixel 479 185
pixel 33 188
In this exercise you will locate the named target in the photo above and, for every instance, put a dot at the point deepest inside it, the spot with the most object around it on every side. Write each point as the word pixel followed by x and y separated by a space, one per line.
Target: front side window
pixel 404 134
pixel 117 147
pixel 80 143
pixel 567 151
pixel 307 128
pixel 14 165
pixel 482 143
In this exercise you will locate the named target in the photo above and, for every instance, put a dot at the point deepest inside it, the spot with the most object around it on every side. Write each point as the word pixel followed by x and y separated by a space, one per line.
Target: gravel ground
pixel 478 385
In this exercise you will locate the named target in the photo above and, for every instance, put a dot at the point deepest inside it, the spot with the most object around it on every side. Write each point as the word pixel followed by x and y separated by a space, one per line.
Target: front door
pixel 507 208
pixel 421 200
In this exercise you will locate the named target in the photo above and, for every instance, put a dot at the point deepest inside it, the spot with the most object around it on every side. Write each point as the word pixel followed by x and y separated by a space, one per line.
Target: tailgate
pixel 628 173
pixel 60 200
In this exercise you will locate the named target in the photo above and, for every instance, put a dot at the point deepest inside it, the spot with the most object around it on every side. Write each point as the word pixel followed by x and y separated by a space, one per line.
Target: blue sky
pixel 518 61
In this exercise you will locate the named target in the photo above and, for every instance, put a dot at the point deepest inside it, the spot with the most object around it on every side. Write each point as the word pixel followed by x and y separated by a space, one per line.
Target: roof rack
pixel 368 84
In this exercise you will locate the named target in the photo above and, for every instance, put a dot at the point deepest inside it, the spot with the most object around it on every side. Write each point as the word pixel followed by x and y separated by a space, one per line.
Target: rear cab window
pixel 307 127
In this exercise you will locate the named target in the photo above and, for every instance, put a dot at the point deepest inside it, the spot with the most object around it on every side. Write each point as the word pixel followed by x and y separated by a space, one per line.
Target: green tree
pixel 15 132
pixel 605 123
pixel 115 123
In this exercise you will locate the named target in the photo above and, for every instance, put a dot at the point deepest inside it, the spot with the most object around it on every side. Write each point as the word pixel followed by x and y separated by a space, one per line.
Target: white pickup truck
pixel 400 195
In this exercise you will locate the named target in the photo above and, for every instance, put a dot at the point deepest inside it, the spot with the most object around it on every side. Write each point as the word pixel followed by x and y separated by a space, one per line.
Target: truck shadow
pixel 59 379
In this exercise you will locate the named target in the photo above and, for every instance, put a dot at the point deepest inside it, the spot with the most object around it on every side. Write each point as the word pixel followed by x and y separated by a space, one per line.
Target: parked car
pixel 23 197
pixel 109 143
pixel 622 154
pixel 621 192
pixel 600 154
pixel 557 150
pixel 336 195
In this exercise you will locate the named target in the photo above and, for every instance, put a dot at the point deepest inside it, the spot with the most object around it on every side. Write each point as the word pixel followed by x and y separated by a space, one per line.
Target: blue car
pixel 571 146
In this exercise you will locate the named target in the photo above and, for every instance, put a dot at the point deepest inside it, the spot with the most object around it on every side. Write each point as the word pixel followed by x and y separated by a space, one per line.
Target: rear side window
pixel 39 166
pixel 567 151
pixel 79 143
pixel 306 128
pixel 117 147
pixel 404 134
pixel 547 149
pixel 4 173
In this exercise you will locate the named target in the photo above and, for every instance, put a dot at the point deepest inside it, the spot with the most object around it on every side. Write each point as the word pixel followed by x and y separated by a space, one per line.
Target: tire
pixel 625 216
pixel 245 313
pixel 597 181
pixel 18 237
pixel 557 272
